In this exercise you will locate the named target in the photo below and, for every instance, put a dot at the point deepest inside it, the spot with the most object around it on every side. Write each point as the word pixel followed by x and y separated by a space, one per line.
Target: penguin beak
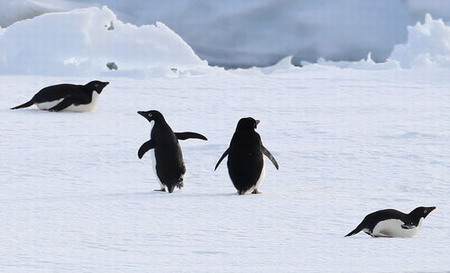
pixel 429 210
pixel 146 115
pixel 257 122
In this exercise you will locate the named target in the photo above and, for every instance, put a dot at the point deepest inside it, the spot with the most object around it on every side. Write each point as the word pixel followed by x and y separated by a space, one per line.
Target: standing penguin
pixel 393 223
pixel 245 157
pixel 68 97
pixel 168 159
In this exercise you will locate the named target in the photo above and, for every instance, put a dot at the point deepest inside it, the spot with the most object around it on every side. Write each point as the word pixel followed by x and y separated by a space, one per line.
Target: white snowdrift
pixel 428 45
pixel 82 42
pixel 237 33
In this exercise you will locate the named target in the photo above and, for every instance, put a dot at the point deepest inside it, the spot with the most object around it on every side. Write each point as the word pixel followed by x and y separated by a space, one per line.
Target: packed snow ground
pixel 75 197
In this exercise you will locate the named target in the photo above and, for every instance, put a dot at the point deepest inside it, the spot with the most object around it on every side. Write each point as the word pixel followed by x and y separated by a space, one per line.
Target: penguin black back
pixel 245 157
pixel 169 164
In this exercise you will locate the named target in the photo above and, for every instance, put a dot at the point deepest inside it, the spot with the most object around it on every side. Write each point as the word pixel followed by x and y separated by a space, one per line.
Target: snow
pixel 75 197
pixel 350 138
pixel 81 42
pixel 428 45
pixel 238 33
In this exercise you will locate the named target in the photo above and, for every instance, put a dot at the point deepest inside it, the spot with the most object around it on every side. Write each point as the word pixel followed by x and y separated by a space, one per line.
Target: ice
pixel 428 45
pixel 237 33
pixel 83 41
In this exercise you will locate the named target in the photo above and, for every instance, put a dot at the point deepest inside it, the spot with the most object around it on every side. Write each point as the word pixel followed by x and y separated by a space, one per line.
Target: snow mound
pixel 92 41
pixel 428 45
pixel 243 34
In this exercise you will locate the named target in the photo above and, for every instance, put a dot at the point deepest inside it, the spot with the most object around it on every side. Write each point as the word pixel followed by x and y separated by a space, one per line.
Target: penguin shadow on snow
pixel 66 97
pixel 246 157
pixel 165 150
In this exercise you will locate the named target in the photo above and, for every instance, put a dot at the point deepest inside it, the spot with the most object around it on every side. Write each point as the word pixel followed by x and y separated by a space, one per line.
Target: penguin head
pixel 422 212
pixel 96 86
pixel 151 115
pixel 247 124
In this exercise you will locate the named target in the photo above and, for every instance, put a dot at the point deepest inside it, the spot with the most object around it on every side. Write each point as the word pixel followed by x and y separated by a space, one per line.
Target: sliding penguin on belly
pixel 245 157
pixel 168 158
pixel 67 97
pixel 393 223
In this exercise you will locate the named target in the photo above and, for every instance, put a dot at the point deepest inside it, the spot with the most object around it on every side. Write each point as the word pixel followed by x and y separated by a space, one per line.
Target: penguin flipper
pixel 66 102
pixel 146 147
pixel 187 135
pixel 26 104
pixel 270 156
pixel 222 157
pixel 408 226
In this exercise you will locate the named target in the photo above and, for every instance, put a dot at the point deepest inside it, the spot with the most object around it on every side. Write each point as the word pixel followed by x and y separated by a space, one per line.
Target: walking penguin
pixel 245 157
pixel 166 151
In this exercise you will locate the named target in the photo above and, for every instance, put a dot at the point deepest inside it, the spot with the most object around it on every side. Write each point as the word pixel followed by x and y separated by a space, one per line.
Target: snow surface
pixel 237 33
pixel 76 198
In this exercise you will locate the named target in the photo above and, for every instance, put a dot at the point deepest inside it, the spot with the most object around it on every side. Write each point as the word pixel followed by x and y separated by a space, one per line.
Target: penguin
pixel 67 97
pixel 393 223
pixel 168 158
pixel 245 157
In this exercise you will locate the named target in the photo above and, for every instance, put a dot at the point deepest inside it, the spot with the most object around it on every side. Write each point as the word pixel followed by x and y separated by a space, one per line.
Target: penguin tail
pixel 355 231
pixel 170 188
pixel 26 104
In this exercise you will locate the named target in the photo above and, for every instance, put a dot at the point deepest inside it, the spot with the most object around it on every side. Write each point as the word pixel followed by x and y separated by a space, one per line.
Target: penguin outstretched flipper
pixel 187 135
pixel 270 156
pixel 410 226
pixel 146 147
pixel 62 105
pixel 222 157
pixel 26 104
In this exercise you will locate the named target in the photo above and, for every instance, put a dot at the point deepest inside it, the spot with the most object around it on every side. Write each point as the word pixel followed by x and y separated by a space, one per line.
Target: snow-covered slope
pixel 75 197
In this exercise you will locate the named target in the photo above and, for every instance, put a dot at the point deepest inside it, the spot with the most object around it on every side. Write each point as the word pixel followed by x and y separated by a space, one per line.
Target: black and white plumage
pixel 245 157
pixel 393 223
pixel 166 152
pixel 67 97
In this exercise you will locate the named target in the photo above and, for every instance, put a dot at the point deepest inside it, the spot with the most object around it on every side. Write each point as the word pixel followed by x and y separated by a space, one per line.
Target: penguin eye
pixel 425 211
pixel 96 85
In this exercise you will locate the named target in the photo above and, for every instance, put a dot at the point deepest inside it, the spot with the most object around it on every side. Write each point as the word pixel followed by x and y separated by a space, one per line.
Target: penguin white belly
pixel 153 159
pixel 153 162
pixel 393 228
pixel 260 179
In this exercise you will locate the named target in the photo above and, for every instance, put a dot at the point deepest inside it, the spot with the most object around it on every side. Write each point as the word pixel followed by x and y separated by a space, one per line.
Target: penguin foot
pixel 256 192
pixel 162 190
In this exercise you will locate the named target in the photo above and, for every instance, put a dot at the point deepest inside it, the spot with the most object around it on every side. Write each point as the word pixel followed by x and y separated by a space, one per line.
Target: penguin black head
pixel 96 86
pixel 151 115
pixel 421 212
pixel 247 124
